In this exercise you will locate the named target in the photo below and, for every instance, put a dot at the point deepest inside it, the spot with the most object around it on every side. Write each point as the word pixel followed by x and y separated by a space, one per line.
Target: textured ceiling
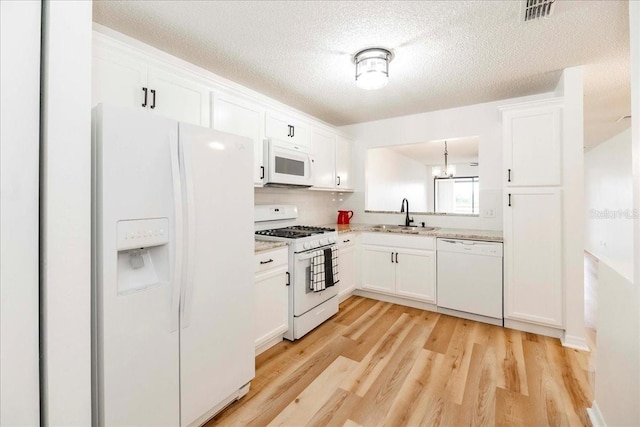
pixel 460 150
pixel 447 53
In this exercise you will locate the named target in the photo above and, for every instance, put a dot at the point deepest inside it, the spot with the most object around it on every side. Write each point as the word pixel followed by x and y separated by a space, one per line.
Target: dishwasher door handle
pixel 460 242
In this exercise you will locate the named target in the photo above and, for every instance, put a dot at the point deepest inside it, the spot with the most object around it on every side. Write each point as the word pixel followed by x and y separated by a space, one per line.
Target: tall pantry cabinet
pixel 533 286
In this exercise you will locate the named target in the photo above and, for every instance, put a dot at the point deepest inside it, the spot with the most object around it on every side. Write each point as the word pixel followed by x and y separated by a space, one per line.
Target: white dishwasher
pixel 469 279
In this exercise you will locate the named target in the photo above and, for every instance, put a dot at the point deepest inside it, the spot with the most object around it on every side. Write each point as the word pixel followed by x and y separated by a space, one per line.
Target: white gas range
pixel 313 266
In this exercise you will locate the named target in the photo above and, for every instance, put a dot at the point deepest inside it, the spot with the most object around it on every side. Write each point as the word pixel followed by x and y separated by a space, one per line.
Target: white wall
pixel 19 159
pixel 571 88
pixel 314 207
pixel 609 203
pixel 618 341
pixel 618 353
pixel 396 177
pixel 634 24
pixel 66 213
pixel 480 120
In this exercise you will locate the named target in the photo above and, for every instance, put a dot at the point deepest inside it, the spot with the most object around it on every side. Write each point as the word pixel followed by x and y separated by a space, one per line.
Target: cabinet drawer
pixel 271 259
pixel 399 240
pixel 346 240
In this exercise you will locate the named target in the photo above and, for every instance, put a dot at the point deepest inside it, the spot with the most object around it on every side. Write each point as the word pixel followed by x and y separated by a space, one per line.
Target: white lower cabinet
pixel 271 297
pixel 415 274
pixel 346 265
pixel 532 256
pixel 378 269
pixel 399 265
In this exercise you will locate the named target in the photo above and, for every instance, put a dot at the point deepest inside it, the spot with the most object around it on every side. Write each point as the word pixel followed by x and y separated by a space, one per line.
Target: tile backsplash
pixel 314 207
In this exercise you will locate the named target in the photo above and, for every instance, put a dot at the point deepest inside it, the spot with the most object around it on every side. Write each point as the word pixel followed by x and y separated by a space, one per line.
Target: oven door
pixel 287 164
pixel 305 299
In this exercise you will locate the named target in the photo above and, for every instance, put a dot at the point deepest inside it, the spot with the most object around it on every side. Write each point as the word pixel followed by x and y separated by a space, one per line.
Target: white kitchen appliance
pixel 173 279
pixel 287 164
pixel 313 266
pixel 470 279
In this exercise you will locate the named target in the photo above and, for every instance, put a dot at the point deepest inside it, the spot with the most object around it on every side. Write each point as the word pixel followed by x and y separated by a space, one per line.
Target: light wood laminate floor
pixel 376 363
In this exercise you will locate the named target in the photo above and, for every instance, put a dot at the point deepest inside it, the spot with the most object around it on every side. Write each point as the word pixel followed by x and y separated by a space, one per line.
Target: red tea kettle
pixel 344 217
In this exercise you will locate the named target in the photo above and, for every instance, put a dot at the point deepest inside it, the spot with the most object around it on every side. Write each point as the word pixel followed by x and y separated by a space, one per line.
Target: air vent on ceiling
pixel 536 9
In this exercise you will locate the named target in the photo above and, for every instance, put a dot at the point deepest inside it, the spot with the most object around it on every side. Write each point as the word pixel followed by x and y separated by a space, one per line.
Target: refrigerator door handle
pixel 189 226
pixel 178 238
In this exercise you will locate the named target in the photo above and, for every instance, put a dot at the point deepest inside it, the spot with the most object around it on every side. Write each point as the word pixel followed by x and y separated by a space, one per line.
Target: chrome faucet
pixel 407 220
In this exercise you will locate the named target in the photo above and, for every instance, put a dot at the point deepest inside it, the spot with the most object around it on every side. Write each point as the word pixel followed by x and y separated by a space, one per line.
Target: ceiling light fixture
pixel 372 68
pixel 448 171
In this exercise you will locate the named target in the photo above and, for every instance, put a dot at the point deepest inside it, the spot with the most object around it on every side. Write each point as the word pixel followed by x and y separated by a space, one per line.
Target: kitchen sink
pixel 401 228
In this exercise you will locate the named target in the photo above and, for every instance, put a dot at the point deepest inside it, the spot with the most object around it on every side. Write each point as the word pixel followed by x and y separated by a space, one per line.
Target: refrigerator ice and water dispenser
pixel 143 254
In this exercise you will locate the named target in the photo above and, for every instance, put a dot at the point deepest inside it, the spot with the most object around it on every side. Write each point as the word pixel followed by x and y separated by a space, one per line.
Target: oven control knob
pixel 324 242
pixel 332 239
pixel 307 245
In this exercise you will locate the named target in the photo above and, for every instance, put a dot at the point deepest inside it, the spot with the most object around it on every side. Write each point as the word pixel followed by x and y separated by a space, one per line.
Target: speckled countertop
pixel 264 245
pixel 451 233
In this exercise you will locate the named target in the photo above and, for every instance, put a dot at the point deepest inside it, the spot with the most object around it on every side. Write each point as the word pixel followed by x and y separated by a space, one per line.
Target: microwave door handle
pixel 311 165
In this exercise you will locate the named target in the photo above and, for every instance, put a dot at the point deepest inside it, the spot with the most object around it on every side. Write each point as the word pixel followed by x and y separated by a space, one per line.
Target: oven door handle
pixel 308 255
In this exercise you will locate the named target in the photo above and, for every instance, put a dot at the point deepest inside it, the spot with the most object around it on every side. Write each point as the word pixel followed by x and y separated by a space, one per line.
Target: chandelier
pixel 448 171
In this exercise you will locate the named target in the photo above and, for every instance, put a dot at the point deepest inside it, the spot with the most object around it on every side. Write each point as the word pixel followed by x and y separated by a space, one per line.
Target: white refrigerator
pixel 173 269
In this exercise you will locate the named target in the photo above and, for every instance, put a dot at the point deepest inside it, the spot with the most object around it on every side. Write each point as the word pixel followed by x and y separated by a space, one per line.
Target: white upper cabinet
pixel 127 74
pixel 331 155
pixel 178 96
pixel 344 167
pixel 323 169
pixel 285 128
pixel 128 78
pixel 234 115
pixel 533 144
pixel 118 79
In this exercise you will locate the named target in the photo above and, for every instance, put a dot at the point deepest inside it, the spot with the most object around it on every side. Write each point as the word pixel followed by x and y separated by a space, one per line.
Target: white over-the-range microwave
pixel 287 164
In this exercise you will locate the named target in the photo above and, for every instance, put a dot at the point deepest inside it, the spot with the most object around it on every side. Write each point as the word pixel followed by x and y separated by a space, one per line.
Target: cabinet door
pixel 378 269
pixel 178 97
pixel 286 129
pixel 346 269
pixel 323 158
pixel 344 168
pixel 533 146
pixel 118 79
pixel 416 274
pixel 532 256
pixel 244 119
pixel 271 304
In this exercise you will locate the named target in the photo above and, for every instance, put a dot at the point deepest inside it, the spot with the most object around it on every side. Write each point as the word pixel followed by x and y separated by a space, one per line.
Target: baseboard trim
pixel 396 300
pixel 471 316
pixel 575 342
pixel 595 416
pixel 533 328
pixel 266 345
pixel 344 295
